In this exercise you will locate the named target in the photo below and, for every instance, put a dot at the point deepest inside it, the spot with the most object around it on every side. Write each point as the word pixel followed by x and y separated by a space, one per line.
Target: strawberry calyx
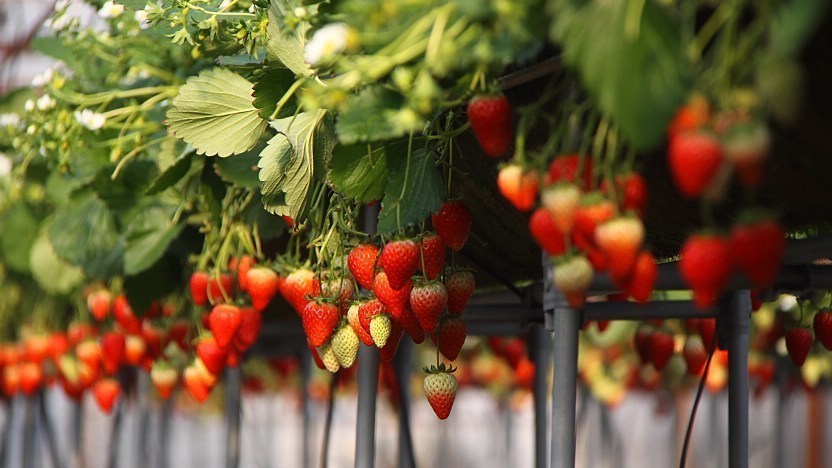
pixel 440 369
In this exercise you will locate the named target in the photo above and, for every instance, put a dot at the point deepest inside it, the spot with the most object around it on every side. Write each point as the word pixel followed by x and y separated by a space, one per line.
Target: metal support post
pixel 29 432
pixel 540 349
pixel 365 434
pixel 305 373
pixel 403 365
pixel 739 311
pixel 233 408
pixel 163 455
pixel 49 431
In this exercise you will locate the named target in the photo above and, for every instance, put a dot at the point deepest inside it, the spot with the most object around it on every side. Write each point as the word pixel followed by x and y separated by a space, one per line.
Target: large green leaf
pixel 269 90
pixel 411 195
pixel 359 171
pixel 633 65
pixel 18 230
pixel 52 274
pixel 148 237
pixel 83 233
pixel 240 170
pixel 291 162
pixel 375 114
pixel 287 46
pixel 171 175
pixel 214 112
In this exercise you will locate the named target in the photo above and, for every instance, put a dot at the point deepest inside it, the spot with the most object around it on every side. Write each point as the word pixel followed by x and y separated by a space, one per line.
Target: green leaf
pixel 289 163
pixel 410 195
pixel 359 171
pixel 287 46
pixel 148 237
pixel 83 233
pixel 240 170
pixel 214 112
pixel 269 225
pixel 794 24
pixel 638 74
pixel 171 176
pixel 268 91
pixel 18 230
pixel 375 114
pixel 52 274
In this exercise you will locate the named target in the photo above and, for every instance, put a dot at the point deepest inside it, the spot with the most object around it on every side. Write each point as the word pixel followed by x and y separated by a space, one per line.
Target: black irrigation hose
pixel 683 458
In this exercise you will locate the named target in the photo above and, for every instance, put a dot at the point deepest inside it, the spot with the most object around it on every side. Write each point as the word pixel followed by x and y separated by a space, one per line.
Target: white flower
pixel 141 18
pixel 110 10
pixel 58 23
pixel 45 102
pixel 41 79
pixel 9 120
pixel 224 4
pixel 327 42
pixel 61 4
pixel 91 120
pixel 31 130
pixel 29 106
pixel 5 164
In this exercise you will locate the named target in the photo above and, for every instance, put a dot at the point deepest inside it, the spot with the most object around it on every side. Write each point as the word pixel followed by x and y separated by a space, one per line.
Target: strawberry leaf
pixel 410 195
pixel 359 171
pixel 148 237
pixel 374 114
pixel 18 229
pixel 214 112
pixel 240 170
pixel 286 45
pixel 269 89
pixel 171 175
pixel 52 274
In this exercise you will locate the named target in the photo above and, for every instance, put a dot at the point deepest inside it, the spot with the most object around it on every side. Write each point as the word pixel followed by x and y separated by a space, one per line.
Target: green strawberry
pixel 345 344
pixel 380 328
pixel 440 389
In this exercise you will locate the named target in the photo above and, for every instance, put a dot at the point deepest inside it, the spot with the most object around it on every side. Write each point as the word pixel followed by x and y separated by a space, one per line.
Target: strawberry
pixel 99 304
pixel 164 378
pixel 695 158
pixel 798 343
pixel 380 328
pixel 661 348
pixel 602 325
pixel 524 373
pixel 632 192
pixel 433 255
pixel 440 389
pixel 519 186
pixel 106 392
pixel 593 210
pixel 315 356
pixel 561 201
pixel 221 289
pixel 134 349
pixel 241 265
pixel 642 341
pixel 694 354
pixel 707 330
pixel 362 262
pixel 692 116
pixel 355 323
pixel 746 146
pixel 299 286
pixel 30 377
pixel 113 347
pixel 213 356
pixel 545 233
pixel 342 289
pixel 410 324
pixel 89 351
pixel 427 301
pixel 196 384
pixel 399 259
pixel 395 300
pixel 388 351
pixel 78 332
pixel 620 239
pixel 450 337
pixel 36 348
pixel 328 357
pixel 224 320
pixel 319 321
pixel 11 380
pixel 366 311
pixel 573 276
pixel 705 266
pixel 251 322
pixel 490 118
pixel 459 285
pixel 571 168
pixel 345 344
pixel 262 284
pixel 123 313
pixel 757 249
pixel 453 223
pixel 823 328
pixel 643 278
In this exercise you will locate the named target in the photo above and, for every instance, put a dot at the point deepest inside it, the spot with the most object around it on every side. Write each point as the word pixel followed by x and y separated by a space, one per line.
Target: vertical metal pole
pixel 29 432
pixel 305 370
pixel 78 430
pixel 8 431
pixel 233 387
pixel 540 349
pixel 163 456
pixel 115 433
pixel 403 365
pixel 49 431
pixel 740 311
pixel 142 392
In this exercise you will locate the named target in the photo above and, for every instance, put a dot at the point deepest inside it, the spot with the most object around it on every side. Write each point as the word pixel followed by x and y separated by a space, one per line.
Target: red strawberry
pixel 632 192
pixel 490 118
pixel 36 348
pixel 30 377
pixel 195 384
pixel 366 311
pixel 757 249
pixel 561 200
pixel 106 392
pixel 746 146
pixel 342 289
pixel 692 116
pixel 123 313
pixel 661 348
pixel 319 321
pixel 400 259
pixel 571 168
pixel 524 373
pixel 573 276
pixel 164 378
pixel 112 351
pixel 299 287
pixel 134 349
pixel 440 389
pixel 211 354
pixel 262 284
pixel 642 341
pixel 242 265
pixel 410 324
pixel 451 336
pixel 224 320
pixel 428 301
pixel 316 356
pixel 433 255
pixel 823 328
pixel 620 239
pixel 78 332
pixel 705 266
pixel 220 288
pixel 695 158
pixel 593 210
pixel 395 300
pixel 362 262
pixel 707 330
pixel 545 233
pixel 514 351
pixel 199 288
pixel 99 304
pixel 453 223
pixel 519 186
pixel 694 354
pixel 388 351
pixel 459 285
pixel 798 343
pixel 89 352
pixel 355 322
pixel 250 324
pixel 643 279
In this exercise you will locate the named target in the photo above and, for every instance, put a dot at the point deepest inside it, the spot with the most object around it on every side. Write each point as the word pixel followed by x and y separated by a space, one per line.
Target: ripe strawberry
pixel 395 300
pixel 224 320
pixel 692 116
pixel 571 168
pixel 643 278
pixel 631 192
pixel 112 351
pixel 123 313
pixel 362 262
pixel 757 249
pixel 602 325
pixel 196 384
pixel 545 233
pixel 694 354
pixel 78 332
pixel 58 345
pixel 315 356
pixel 89 351
pixel 221 289
pixel 380 328
pixel 661 348
pixel 642 341
pixel 106 392
pixel 524 373
pixel 99 304
pixel 30 377
pixel 746 146
pixel 705 266
pixel 695 158
pixel 345 344
pixel 367 310
pixel 164 378
pixel 134 349
pixel 213 356
pixel 410 324
pixel 440 389
pixel 561 200
pixel 262 284
pixel 593 210
pixel 427 301
pixel 707 330
pixel 433 255
pixel 459 285
pixel 355 323
pixel 319 321
pixel 241 266
pixel 11 380
pixel 328 357
pixel 251 322
pixel 299 287
pixel 573 276
pixel 519 186
pixel 823 328
pixel 388 351
pixel 36 348
pixel 490 118
pixel 453 223
pixel 450 337
pixel 620 239
pixel 798 343
pixel 399 259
